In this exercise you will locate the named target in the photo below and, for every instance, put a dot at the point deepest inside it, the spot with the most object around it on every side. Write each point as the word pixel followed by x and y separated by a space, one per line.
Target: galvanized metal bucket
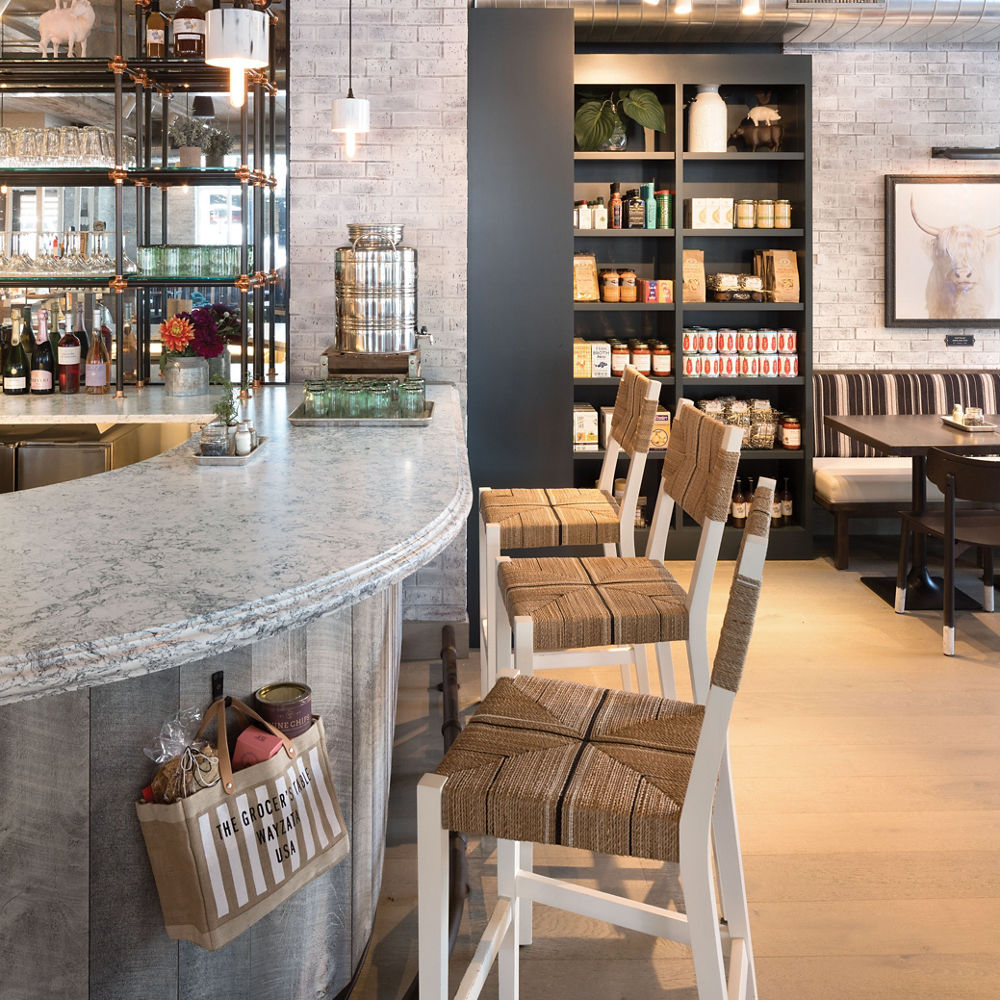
pixel 376 286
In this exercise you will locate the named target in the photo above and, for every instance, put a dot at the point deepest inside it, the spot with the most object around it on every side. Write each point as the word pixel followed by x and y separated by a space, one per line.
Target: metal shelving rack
pixel 165 78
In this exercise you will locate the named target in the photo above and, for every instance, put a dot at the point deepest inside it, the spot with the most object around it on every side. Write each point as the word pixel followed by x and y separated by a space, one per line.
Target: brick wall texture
pixel 878 110
pixel 409 61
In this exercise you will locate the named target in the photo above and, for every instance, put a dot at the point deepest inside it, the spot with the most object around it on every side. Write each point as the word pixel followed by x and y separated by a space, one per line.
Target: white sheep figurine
pixel 66 24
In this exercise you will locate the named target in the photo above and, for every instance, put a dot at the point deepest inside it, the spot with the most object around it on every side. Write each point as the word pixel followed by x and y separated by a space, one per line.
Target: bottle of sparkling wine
pixel 68 360
pixel 27 334
pixel 15 366
pixel 98 367
pixel 80 332
pixel 43 365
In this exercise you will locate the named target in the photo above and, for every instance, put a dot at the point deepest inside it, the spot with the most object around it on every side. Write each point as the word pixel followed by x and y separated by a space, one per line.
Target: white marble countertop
pixel 167 561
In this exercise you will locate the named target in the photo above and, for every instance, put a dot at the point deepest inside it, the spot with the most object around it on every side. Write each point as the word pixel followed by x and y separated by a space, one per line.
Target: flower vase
pixel 617 142
pixel 215 159
pixel 707 122
pixel 189 156
pixel 218 368
pixel 185 376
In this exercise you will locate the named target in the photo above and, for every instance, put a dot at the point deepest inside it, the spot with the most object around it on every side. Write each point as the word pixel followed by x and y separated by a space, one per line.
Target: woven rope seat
pixel 595 601
pixel 533 519
pixel 557 762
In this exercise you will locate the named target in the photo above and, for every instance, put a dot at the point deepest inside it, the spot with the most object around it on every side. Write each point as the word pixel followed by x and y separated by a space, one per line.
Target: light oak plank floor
pixel 867 771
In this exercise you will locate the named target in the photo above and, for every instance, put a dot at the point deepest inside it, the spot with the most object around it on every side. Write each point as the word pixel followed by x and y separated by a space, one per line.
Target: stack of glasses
pixel 373 398
pixel 189 261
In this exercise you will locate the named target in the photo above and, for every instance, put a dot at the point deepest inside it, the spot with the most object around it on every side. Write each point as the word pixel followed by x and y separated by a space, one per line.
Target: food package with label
pixel 581 358
pixel 584 427
pixel 664 290
pixel 600 359
pixel 779 270
pixel 660 436
pixel 694 275
pixel 585 278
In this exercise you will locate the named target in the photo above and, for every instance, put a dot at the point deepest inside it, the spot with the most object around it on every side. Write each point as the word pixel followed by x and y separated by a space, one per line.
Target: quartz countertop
pixel 166 561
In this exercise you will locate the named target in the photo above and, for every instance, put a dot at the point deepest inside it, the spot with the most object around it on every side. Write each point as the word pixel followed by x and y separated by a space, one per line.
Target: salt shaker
pixel 244 443
pixel 958 414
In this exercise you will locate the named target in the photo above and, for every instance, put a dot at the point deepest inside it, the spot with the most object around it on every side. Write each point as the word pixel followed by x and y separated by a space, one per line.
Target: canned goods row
pixel 699 340
pixel 740 365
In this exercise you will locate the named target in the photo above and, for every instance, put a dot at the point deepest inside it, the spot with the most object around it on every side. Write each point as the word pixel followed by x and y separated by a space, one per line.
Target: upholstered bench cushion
pixel 596 601
pixel 532 519
pixel 867 480
pixel 556 762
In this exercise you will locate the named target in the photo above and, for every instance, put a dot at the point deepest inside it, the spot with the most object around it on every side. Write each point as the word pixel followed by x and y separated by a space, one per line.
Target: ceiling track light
pixel 236 39
pixel 350 114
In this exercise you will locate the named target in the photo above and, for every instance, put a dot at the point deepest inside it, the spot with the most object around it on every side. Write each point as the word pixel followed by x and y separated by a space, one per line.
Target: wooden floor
pixel 867 771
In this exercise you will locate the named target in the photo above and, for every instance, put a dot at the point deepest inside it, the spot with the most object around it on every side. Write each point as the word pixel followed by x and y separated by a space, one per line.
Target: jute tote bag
pixel 227 855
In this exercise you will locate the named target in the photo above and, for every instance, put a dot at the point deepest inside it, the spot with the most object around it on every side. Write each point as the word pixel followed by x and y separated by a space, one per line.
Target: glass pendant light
pixel 236 39
pixel 350 114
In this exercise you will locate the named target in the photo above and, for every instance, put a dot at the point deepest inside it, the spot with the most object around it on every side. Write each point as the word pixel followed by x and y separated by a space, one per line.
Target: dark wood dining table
pixel 913 435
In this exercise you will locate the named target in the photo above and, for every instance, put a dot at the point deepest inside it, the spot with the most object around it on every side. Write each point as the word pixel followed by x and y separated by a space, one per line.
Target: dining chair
pixel 550 518
pixel 609 771
pixel 971 516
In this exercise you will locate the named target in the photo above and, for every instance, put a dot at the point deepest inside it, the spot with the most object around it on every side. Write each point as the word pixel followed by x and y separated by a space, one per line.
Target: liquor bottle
pixel 27 334
pixel 786 504
pixel 68 360
pixel 188 28
pixel 15 366
pixel 777 517
pixel 635 210
pixel 80 332
pixel 739 505
pixel 98 367
pixel 130 350
pixel 43 364
pixel 156 32
pixel 615 207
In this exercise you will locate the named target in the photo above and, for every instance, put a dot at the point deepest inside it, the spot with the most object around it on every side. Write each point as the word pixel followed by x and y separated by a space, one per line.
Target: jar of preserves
pixel 662 359
pixel 765 214
pixel 610 286
pixel 629 289
pixel 791 432
pixel 620 356
pixel 746 213
pixel 782 214
pixel 642 358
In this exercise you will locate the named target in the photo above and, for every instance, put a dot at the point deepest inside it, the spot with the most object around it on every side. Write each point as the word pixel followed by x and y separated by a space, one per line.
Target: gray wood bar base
pixel 80 916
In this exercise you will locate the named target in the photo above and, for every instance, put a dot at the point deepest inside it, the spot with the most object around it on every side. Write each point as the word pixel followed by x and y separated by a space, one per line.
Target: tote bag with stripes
pixel 227 855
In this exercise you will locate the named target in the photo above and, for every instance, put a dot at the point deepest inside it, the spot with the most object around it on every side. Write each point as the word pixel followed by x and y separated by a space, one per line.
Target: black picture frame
pixel 939 275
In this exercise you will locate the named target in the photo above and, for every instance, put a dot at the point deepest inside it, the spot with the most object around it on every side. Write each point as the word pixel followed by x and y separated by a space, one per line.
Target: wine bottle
pixel 739 505
pixel 68 359
pixel 15 366
pixel 130 351
pixel 777 518
pixel 786 504
pixel 156 32
pixel 43 365
pixel 27 334
pixel 189 31
pixel 98 367
pixel 80 332
pixel 55 335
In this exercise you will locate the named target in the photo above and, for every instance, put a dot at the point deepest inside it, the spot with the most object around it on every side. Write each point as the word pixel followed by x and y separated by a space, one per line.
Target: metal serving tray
pixel 230 459
pixel 968 428
pixel 298 418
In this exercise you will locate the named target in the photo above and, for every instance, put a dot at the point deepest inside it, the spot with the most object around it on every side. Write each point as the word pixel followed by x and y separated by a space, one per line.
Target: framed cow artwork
pixel 942 251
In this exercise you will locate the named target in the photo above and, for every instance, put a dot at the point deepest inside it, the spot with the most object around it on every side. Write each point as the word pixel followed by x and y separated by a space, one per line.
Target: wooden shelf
pixel 619 233
pixel 733 231
pixel 743 306
pixel 742 157
pixel 615 380
pixel 623 306
pixel 625 155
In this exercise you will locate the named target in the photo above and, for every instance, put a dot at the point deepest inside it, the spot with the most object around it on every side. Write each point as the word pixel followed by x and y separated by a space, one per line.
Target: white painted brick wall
pixel 410 59
pixel 878 110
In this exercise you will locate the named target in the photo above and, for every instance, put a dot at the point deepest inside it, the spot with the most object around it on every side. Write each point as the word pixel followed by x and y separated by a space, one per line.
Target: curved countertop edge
pixel 146 651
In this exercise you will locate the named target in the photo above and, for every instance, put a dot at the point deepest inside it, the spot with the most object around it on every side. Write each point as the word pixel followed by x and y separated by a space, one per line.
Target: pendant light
pixel 350 114
pixel 236 39
pixel 202 107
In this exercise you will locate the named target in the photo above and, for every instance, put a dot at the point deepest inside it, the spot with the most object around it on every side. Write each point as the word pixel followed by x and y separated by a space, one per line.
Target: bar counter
pixel 124 593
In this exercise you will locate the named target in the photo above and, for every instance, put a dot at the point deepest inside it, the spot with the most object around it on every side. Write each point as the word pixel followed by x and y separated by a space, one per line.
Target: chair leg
pixel 524 655
pixel 488 677
pixel 902 566
pixel 502 648
pixel 508 967
pixel 948 597
pixel 665 668
pixel 729 863
pixel 432 890
pixel 698 665
pixel 841 540
pixel 641 660
pixel 989 591
pixel 703 921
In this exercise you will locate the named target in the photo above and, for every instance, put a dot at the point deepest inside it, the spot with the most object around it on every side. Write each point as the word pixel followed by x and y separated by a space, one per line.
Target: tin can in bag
pixel 287 705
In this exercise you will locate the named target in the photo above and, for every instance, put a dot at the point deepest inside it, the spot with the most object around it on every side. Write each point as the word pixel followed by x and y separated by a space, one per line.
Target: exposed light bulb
pixel 237 86
pixel 350 145
pixel 652 3
pixel 683 7
pixel 751 7
pixel 3 188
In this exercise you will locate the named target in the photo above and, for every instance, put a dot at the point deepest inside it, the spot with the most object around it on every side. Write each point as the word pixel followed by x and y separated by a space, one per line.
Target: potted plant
pixel 187 135
pixel 187 346
pixel 598 123
pixel 216 144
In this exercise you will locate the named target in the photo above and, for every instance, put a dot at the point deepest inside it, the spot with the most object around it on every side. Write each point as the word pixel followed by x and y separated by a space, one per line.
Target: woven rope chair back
pixel 632 420
pixel 737 626
pixel 697 472
pixel 975 478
